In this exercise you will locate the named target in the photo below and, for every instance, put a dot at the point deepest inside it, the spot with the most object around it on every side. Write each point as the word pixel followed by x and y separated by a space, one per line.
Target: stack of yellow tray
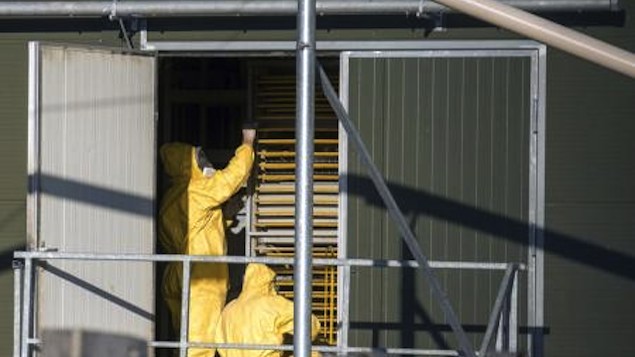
pixel 273 201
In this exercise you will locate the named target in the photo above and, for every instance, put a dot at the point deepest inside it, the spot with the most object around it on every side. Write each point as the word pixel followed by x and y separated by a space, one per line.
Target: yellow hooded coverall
pixel 191 222
pixel 258 315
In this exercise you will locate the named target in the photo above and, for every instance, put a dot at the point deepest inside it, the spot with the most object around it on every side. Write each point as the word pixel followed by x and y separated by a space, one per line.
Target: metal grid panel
pixel 458 165
pixel 273 203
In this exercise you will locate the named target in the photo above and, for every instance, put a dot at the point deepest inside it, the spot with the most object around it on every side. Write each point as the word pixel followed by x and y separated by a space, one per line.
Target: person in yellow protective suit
pixel 258 315
pixel 191 222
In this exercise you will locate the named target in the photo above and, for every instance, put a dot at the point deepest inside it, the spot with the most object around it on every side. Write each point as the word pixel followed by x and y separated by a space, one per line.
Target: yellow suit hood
pixel 258 280
pixel 179 161
pixel 258 316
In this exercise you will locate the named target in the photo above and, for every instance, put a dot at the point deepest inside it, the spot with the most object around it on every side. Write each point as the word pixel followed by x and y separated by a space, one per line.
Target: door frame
pixel 535 260
pixel 537 53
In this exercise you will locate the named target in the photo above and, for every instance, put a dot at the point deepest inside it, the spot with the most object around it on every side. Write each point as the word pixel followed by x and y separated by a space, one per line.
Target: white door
pixel 92 189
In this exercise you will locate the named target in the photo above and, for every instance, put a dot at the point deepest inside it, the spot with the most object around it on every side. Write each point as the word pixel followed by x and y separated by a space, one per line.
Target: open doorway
pixel 203 101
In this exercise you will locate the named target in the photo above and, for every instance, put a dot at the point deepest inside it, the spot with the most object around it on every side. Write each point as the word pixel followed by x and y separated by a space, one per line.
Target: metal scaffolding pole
pixel 185 308
pixel 18 274
pixel 304 133
pixel 266 7
pixel 26 308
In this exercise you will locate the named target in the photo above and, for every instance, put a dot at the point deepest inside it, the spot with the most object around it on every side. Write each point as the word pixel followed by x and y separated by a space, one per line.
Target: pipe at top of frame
pixel 267 7
pixel 497 13
pixel 549 32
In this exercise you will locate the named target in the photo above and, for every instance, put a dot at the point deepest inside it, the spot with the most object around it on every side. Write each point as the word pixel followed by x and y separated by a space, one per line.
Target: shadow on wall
pixel 98 196
pixel 417 202
pixel 412 203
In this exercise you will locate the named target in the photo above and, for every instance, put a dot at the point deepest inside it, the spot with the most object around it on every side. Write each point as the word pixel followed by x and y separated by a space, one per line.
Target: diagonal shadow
pixel 411 308
pixel 414 201
pixel 97 291
pixel 103 197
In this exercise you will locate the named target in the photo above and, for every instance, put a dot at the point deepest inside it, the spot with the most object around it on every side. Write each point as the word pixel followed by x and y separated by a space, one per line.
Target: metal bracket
pixel 435 22
pixel 125 32
pixel 17 264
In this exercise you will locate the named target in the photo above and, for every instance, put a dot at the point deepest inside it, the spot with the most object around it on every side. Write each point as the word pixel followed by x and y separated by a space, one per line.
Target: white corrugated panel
pixel 97 189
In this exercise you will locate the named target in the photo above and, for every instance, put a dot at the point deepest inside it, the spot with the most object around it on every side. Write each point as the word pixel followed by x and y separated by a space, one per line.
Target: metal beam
pixel 396 214
pixel 185 308
pixel 266 7
pixel 230 259
pixel 328 349
pixel 513 47
pixel 18 276
pixel 304 135
pixel 27 301
pixel 494 318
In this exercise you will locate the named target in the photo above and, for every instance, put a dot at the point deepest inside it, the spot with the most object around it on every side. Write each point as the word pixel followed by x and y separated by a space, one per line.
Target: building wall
pixel 12 178
pixel 590 204
pixel 590 170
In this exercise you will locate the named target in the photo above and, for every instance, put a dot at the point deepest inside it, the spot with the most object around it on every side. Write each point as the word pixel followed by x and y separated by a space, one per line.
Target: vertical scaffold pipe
pixel 304 132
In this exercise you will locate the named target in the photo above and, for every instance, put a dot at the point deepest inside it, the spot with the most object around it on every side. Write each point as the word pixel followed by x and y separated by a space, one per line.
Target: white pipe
pixel 548 32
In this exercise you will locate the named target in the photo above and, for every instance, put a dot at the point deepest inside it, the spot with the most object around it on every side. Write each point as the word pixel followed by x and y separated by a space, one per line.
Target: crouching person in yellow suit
pixel 191 222
pixel 258 316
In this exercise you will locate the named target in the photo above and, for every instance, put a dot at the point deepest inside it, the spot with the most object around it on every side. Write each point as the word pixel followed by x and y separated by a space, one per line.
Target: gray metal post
pixel 495 315
pixel 513 318
pixel 185 307
pixel 18 273
pixel 26 309
pixel 304 125
pixel 395 213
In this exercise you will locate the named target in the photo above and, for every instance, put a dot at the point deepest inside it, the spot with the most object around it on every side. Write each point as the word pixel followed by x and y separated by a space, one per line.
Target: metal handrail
pixel 383 263
pixel 23 289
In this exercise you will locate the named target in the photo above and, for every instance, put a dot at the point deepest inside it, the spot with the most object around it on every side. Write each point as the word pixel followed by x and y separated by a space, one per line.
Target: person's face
pixel 203 163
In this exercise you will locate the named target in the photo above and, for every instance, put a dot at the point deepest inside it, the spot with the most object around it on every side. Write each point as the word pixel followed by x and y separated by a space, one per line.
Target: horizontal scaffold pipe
pixel 267 7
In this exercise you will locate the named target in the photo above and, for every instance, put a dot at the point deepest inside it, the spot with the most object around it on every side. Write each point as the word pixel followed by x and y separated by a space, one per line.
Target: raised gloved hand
pixel 249 136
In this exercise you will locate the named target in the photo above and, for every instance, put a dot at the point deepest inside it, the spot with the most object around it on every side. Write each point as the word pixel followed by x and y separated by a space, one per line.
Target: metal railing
pixel 501 333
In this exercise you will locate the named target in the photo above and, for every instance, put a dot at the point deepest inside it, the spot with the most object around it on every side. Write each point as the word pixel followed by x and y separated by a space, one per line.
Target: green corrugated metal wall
pixel 451 137
pixel 12 173
pixel 590 173
pixel 590 197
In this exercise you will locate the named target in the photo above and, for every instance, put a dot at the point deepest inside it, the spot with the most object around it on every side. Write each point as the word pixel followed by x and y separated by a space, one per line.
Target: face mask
pixel 208 171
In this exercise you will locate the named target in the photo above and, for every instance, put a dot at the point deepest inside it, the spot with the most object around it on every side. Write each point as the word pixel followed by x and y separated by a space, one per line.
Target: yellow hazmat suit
pixel 191 222
pixel 258 316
